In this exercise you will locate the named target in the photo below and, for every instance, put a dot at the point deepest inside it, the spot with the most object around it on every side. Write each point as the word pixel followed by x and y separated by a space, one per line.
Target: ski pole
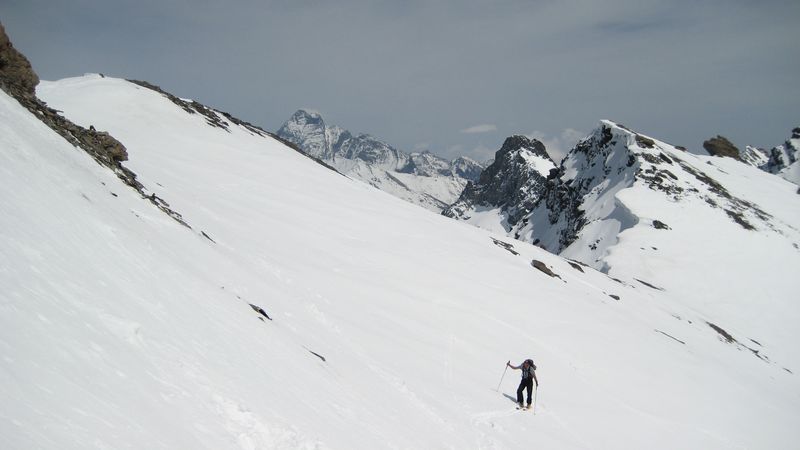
pixel 501 378
pixel 535 395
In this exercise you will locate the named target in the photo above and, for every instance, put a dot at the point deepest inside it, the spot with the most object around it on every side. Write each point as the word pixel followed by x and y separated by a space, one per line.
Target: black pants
pixel 525 383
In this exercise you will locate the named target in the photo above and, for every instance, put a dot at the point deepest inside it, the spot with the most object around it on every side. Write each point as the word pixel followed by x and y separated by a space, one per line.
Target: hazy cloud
pixel 557 146
pixel 483 128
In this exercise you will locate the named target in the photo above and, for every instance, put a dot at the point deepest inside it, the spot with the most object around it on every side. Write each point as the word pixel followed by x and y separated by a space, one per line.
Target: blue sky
pixel 454 77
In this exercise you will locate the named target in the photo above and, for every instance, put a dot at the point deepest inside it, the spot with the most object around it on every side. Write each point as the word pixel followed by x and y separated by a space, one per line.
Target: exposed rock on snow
pixel 16 74
pixel 542 267
pixel 18 79
pixel 421 178
pixel 721 146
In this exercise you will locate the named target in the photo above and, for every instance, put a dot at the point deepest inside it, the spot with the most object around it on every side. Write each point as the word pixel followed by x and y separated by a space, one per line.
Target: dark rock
pixel 318 355
pixel 644 141
pixel 18 80
pixel 721 146
pixel 671 337
pixel 576 266
pixel 660 225
pixel 649 285
pixel 739 218
pixel 259 310
pixel 615 297
pixel 16 73
pixel 510 182
pixel 543 268
pixel 506 246
pixel 727 336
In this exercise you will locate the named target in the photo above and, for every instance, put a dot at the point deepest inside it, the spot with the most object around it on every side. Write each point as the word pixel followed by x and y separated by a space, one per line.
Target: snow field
pixel 121 328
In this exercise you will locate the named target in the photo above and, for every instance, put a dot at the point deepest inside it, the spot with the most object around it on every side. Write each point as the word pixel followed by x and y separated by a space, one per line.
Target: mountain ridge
pixel 420 177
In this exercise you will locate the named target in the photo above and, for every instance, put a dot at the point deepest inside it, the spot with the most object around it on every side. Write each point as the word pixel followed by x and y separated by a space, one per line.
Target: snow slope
pixel 121 328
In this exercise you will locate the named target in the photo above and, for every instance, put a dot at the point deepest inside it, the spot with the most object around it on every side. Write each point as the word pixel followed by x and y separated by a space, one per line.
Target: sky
pixel 452 77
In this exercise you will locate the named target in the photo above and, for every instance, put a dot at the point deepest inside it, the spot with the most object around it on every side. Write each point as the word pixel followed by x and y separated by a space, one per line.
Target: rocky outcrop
pixel 512 184
pixel 16 73
pixel 781 157
pixel 18 80
pixel 721 146
pixel 574 209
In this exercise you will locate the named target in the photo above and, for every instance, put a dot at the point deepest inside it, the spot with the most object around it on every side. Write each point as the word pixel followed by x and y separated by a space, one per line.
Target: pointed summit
pixel 517 142
pixel 307 130
pixel 510 186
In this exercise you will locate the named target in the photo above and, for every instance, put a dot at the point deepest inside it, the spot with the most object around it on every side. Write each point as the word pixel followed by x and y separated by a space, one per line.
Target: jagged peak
pixel 608 131
pixel 517 142
pixel 306 115
pixel 465 160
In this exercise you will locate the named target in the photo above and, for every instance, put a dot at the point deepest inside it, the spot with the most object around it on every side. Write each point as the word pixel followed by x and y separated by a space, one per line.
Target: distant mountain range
pixel 421 178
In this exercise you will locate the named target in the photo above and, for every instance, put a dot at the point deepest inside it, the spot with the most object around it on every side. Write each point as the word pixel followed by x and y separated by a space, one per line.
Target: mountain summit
pixel 510 186
pixel 620 200
pixel 421 178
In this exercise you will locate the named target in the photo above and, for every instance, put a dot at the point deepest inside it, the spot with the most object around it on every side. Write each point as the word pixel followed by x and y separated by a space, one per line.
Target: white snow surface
pixel 541 165
pixel 121 328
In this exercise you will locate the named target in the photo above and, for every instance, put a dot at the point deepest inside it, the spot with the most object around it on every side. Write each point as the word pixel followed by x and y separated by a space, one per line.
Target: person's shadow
pixel 513 399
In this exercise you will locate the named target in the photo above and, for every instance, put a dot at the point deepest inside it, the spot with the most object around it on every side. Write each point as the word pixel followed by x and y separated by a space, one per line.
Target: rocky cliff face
pixel 18 80
pixel 421 178
pixel 16 73
pixel 512 184
pixel 782 160
pixel 576 211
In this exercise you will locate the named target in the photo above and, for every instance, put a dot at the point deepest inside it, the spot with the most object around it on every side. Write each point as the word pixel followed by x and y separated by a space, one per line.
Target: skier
pixel 528 378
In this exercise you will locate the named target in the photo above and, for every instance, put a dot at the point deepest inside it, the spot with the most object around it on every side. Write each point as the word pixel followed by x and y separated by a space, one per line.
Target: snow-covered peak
pixel 421 178
pixel 427 164
pixel 782 160
pixel 307 130
pixel 754 156
pixel 512 184
pixel 467 168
